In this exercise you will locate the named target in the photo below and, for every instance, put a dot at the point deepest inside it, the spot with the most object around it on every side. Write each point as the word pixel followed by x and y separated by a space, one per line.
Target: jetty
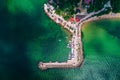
pixel 76 54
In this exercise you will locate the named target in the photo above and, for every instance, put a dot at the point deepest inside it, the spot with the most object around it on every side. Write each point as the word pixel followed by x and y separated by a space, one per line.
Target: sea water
pixel 28 36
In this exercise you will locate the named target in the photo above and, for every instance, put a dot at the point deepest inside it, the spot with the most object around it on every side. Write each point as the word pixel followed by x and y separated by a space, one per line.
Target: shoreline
pixel 105 16
pixel 68 33
pixel 76 55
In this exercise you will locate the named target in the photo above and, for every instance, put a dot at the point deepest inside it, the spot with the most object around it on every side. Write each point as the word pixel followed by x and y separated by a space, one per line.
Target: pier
pixel 76 54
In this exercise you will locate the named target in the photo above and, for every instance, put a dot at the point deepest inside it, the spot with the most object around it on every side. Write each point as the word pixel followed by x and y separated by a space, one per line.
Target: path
pixel 77 56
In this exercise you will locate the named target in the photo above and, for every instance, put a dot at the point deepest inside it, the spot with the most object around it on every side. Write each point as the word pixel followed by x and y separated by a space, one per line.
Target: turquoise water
pixel 28 36
pixel 102 48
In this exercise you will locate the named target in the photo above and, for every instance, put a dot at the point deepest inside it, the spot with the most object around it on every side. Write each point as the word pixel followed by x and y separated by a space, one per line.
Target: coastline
pixel 69 33
pixel 105 16
pixel 76 49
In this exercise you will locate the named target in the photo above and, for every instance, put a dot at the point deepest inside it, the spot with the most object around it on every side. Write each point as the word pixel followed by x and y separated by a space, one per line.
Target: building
pixel 79 17
pixel 88 1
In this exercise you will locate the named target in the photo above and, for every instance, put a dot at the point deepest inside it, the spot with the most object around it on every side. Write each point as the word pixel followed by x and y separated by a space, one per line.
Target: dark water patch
pixel 110 27
pixel 15 64
pixel 16 31
pixel 99 48
pixel 26 38
pixel 49 46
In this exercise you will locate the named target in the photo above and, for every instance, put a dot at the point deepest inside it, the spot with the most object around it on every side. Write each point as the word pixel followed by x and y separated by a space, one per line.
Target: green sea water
pixel 28 36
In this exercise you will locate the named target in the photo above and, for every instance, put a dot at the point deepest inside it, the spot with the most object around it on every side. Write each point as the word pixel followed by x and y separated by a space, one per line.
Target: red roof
pixel 71 19
pixel 77 20
pixel 55 18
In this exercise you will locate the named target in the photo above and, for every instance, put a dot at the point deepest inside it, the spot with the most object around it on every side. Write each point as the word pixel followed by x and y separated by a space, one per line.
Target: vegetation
pixel 65 7
pixel 97 5
pixel 115 5
pixel 107 11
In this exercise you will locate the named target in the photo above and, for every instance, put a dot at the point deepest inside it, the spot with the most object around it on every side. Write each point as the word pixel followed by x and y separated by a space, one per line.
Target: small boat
pixel 59 40
pixel 69 45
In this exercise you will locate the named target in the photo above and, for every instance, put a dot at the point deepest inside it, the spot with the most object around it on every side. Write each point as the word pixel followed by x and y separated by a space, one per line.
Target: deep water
pixel 28 36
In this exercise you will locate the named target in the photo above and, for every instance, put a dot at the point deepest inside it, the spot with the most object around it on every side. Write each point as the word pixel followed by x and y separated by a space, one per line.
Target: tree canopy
pixel 66 7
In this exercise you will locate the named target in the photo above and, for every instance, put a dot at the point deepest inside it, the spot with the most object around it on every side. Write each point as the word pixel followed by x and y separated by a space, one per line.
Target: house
pixel 71 19
pixel 79 17
pixel 77 20
pixel 88 1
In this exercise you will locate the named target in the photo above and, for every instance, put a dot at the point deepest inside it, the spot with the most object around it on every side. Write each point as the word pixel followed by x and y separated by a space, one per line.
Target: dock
pixel 76 54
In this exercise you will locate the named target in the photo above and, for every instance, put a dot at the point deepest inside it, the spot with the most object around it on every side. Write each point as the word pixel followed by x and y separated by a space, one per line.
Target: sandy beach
pixel 105 16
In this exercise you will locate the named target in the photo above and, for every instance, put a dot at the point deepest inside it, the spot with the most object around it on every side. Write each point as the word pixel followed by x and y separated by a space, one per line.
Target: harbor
pixel 75 57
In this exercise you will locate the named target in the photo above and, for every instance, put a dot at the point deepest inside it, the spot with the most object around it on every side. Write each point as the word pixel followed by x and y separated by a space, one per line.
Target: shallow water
pixel 101 45
pixel 28 36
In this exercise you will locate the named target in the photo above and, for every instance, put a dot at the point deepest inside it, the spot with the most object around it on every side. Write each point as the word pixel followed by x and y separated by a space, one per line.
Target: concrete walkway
pixel 77 55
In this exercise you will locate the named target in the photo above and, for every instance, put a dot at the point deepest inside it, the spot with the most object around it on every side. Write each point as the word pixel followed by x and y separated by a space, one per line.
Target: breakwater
pixel 76 44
